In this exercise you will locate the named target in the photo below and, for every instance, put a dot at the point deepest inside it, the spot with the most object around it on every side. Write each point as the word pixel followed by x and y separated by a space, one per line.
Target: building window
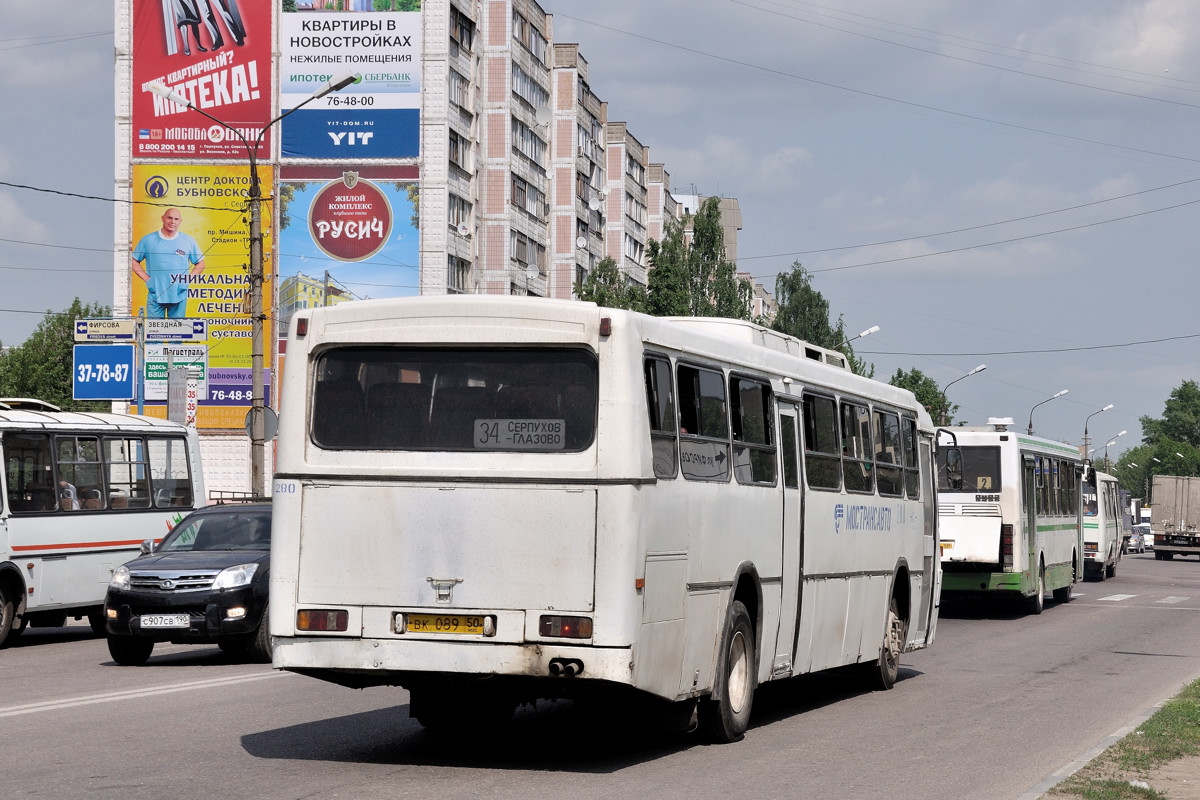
pixel 458 211
pixel 528 143
pixel 458 272
pixel 462 30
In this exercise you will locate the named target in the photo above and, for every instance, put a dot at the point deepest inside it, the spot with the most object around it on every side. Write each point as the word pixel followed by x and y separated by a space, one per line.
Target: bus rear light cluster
pixel 322 619
pixel 1006 547
pixel 565 627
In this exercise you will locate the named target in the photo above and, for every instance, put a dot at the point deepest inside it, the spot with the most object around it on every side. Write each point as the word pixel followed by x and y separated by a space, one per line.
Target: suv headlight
pixel 120 579
pixel 233 577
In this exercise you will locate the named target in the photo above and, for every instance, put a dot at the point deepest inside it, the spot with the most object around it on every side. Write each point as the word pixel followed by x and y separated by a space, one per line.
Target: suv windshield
pixel 465 399
pixel 242 529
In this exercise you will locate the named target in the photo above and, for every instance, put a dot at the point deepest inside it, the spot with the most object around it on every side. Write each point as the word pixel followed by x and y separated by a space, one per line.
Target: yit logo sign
pixel 351 137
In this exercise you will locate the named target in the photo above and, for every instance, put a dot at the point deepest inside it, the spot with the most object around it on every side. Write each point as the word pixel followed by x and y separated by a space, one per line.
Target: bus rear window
pixel 979 468
pixel 476 399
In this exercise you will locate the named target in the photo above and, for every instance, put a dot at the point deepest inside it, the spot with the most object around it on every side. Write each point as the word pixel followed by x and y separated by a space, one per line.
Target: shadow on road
pixel 567 735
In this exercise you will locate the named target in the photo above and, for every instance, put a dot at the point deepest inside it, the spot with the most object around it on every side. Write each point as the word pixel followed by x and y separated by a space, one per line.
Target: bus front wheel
pixel 726 714
pixel 1038 601
pixel 8 613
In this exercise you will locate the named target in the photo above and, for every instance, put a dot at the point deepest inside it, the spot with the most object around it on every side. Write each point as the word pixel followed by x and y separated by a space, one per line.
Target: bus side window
pixel 856 448
pixel 754 456
pixel 822 454
pixel 703 424
pixel 660 405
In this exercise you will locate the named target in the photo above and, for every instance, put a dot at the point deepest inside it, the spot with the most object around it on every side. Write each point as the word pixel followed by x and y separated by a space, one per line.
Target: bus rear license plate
pixel 165 621
pixel 470 624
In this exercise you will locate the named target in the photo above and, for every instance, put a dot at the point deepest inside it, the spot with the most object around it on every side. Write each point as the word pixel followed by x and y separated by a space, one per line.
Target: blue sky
pixel 1014 184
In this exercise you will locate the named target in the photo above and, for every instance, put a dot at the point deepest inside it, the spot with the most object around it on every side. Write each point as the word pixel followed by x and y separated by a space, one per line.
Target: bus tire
pixel 1038 601
pixel 725 714
pixel 130 651
pixel 261 648
pixel 1063 593
pixel 885 671
pixel 9 630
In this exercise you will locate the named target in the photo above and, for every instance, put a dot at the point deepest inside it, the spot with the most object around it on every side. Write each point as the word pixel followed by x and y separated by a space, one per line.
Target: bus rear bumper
pixel 381 662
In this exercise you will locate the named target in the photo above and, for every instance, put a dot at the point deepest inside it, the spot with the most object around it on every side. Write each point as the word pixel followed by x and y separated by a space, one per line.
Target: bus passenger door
pixel 792 539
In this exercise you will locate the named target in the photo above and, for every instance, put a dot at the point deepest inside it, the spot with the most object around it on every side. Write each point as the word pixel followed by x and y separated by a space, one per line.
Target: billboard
pixel 217 54
pixel 189 259
pixel 346 234
pixel 376 117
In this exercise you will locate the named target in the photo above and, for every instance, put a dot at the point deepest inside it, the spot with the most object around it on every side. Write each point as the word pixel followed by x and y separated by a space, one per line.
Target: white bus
pixel 81 492
pixel 1009 510
pixel 491 500
pixel 1103 519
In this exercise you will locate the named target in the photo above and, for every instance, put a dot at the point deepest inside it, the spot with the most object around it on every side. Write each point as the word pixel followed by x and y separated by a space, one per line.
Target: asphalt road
pixel 1000 703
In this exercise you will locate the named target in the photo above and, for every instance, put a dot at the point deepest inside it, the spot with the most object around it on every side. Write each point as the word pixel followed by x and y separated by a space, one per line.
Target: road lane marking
pixel 110 697
pixel 1173 599
pixel 1116 598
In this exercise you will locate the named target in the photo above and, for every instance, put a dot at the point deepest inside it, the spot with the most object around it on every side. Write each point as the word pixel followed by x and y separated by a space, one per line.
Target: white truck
pixel 1175 516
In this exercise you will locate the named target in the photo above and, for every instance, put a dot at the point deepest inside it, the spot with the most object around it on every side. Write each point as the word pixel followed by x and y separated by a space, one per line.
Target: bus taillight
pixel 565 627
pixel 322 619
pixel 1006 547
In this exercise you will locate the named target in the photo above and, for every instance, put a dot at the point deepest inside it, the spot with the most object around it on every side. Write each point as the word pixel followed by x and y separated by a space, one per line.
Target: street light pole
pixel 1086 441
pixel 867 332
pixel 256 273
pixel 943 418
pixel 1047 400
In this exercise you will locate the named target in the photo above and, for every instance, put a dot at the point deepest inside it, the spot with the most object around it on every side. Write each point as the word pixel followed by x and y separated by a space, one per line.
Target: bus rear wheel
pixel 725 715
pixel 883 673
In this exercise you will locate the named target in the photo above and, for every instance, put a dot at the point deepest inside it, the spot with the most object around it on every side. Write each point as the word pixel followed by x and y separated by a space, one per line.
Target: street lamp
pixel 1111 442
pixel 1047 400
pixel 867 332
pixel 1087 441
pixel 946 403
pixel 257 419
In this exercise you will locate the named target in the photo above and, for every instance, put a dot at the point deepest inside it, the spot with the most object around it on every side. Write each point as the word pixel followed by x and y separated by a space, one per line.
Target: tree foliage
pixel 928 393
pixel 1181 417
pixel 606 286
pixel 803 312
pixel 694 278
pixel 42 366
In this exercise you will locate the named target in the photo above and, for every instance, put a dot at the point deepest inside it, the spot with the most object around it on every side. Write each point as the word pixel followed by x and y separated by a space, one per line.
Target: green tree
pixel 606 286
pixel 42 366
pixel 803 312
pixel 694 278
pixel 928 393
pixel 1181 418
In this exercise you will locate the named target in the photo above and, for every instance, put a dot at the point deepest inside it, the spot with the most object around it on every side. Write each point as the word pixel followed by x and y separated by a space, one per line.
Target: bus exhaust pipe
pixel 565 667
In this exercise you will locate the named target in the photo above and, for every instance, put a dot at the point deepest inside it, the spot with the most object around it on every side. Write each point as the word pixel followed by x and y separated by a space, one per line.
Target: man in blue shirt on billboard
pixel 170 257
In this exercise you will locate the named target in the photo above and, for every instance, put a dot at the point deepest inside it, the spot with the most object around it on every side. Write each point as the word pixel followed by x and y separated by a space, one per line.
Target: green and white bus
pixel 1009 510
